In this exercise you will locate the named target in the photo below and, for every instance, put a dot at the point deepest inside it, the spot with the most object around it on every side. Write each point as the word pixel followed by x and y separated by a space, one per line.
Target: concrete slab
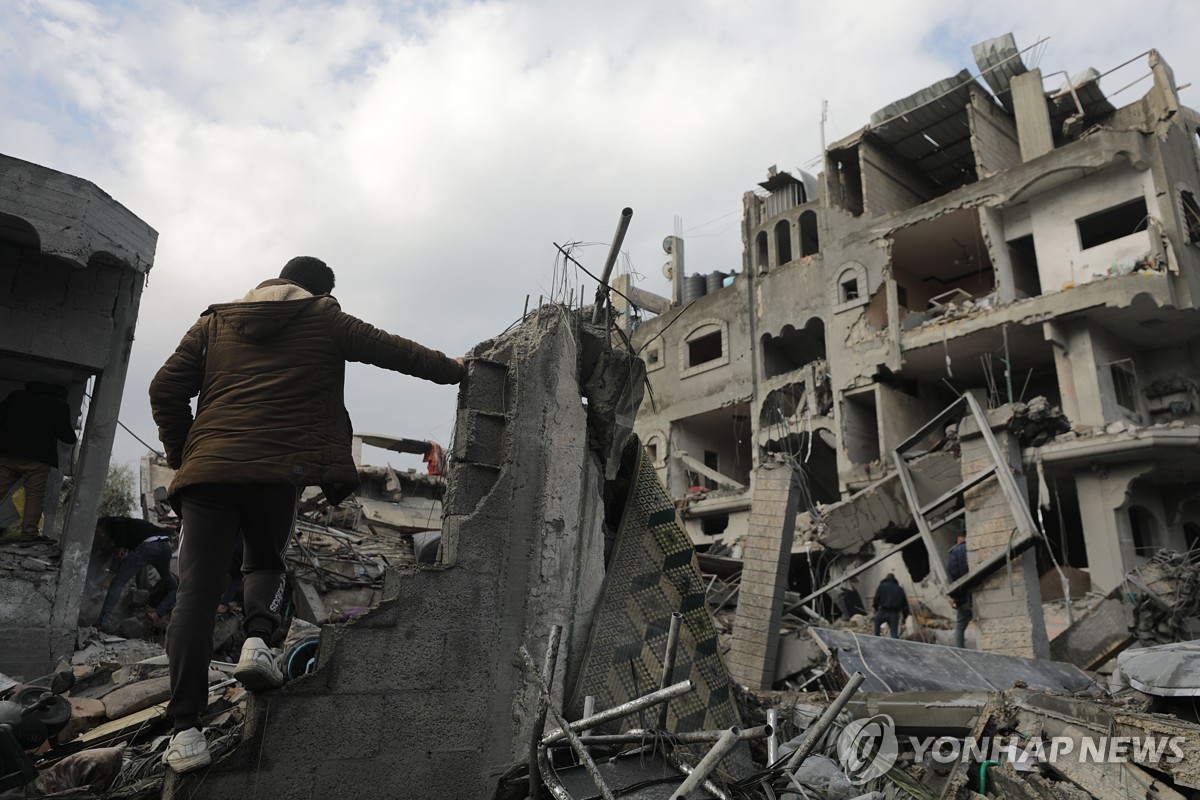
pixel 896 665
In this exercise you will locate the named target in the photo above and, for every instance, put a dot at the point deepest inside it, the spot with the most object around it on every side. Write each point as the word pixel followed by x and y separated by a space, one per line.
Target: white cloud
pixel 431 153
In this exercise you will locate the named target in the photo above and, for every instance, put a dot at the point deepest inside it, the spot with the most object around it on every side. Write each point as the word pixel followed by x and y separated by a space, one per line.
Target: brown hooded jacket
pixel 270 370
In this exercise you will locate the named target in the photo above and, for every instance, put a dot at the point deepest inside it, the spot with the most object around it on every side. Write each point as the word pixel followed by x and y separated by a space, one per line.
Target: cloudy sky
pixel 432 152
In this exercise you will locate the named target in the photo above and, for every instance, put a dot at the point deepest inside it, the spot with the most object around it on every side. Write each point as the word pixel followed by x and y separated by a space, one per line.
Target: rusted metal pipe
pixel 621 711
pixel 707 764
pixel 822 724
pixel 539 724
pixel 572 737
pixel 613 252
pixel 687 769
pixel 669 664
pixel 639 735
pixel 772 740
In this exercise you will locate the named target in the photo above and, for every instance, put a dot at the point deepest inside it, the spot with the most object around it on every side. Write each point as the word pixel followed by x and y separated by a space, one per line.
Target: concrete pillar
pixel 1033 118
pixel 765 564
pixel 1103 493
pixel 94 455
pixel 1007 603
pixel 1075 360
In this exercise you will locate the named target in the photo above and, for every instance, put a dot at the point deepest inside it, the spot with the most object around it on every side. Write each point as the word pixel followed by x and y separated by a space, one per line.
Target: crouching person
pixel 269 371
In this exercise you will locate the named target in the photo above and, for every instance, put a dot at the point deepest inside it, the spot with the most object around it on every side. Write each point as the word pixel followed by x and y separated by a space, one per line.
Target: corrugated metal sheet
pixel 999 62
pixel 930 130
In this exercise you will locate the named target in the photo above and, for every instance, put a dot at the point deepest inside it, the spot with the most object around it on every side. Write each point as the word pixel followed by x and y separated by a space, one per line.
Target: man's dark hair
pixel 311 273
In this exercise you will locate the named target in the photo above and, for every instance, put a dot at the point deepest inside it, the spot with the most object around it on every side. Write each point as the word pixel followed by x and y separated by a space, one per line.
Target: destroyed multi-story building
pixel 982 237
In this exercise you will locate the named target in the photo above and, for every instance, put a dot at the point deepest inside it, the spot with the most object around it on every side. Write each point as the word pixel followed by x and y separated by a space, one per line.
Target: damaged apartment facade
pixel 1034 250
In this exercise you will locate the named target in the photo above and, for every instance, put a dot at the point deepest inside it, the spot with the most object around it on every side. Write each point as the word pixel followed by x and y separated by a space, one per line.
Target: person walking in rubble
pixel 139 543
pixel 270 420
pixel 890 605
pixel 956 567
pixel 33 421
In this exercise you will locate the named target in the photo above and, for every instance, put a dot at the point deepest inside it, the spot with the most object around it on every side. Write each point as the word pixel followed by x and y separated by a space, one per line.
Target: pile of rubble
pixel 97 725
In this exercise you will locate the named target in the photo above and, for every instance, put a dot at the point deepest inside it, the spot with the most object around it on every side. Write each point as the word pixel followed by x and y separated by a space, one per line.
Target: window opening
pixel 849 290
pixel 705 348
pixel 783 241
pixel 1112 223
pixel 1125 385
pixel 809 240
pixel 1191 216
pixel 1023 257
pixel 712 460
pixel 1143 528
pixel 860 427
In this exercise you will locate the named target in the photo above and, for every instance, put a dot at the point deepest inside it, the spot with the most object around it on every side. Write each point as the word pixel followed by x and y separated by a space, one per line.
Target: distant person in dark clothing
pixel 890 605
pixel 850 603
pixel 140 543
pixel 33 421
pixel 956 567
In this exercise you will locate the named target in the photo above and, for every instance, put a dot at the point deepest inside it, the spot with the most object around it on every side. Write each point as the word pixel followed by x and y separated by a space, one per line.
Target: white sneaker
pixel 257 669
pixel 187 751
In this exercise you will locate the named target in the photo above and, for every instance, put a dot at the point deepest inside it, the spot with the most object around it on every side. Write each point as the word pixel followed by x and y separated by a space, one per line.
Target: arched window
pixel 809 241
pixel 705 347
pixel 783 241
pixel 850 287
pixel 764 256
pixel 656 449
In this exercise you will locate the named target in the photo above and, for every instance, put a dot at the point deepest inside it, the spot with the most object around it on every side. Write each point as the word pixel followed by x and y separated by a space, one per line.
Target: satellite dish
pixel 667 243
pixel 668 273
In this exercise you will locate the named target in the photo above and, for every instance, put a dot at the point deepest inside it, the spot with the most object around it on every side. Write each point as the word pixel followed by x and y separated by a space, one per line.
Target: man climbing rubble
pixel 139 543
pixel 890 605
pixel 269 371
pixel 956 567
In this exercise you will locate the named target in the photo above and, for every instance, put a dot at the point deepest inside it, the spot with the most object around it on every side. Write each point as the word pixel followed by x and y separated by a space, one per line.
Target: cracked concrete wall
pixel 424 695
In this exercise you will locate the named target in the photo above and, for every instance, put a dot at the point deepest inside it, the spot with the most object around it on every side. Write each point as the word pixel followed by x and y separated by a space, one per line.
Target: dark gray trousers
pixel 212 516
